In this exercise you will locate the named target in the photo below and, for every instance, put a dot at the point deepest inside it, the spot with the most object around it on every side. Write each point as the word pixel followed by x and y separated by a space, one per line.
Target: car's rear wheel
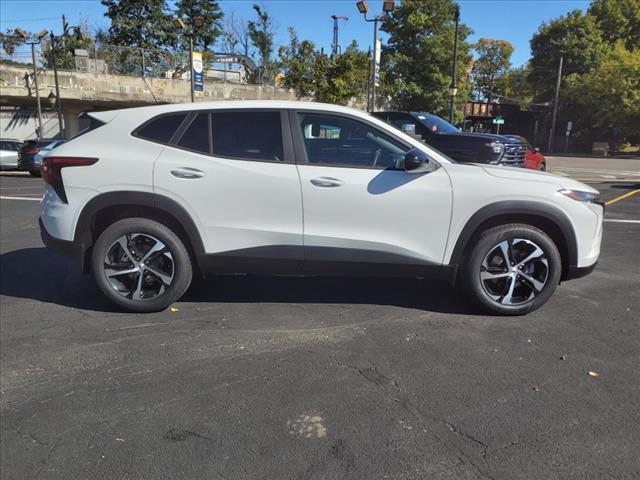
pixel 141 265
pixel 512 269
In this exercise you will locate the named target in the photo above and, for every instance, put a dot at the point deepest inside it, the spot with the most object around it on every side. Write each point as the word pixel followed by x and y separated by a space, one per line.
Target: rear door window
pixel 161 128
pixel 247 135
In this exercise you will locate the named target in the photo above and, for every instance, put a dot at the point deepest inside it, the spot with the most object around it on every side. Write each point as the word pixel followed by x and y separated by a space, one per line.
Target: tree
pixel 492 63
pixel 208 33
pixel 576 38
pixel 618 20
pixel 9 41
pixel 140 24
pixel 605 102
pixel 261 33
pixel 418 58
pixel 311 73
pixel 66 44
pixel 514 86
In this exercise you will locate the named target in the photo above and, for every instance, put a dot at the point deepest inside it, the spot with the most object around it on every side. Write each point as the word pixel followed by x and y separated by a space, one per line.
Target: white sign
pixel 376 55
pixel 569 125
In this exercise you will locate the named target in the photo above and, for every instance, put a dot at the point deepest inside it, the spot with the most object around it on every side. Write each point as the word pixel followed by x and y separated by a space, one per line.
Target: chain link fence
pixel 108 59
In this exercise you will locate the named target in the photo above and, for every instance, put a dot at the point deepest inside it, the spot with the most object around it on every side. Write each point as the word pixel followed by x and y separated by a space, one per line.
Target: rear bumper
pixel 70 249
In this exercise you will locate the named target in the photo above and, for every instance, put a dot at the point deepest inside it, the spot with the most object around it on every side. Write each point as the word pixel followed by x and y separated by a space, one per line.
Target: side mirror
pixel 416 161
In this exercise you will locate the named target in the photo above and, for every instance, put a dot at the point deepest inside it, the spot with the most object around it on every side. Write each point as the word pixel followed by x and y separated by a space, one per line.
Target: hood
pixel 536 176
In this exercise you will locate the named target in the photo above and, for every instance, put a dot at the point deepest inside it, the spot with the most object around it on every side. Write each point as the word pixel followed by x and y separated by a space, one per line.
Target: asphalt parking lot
pixel 310 378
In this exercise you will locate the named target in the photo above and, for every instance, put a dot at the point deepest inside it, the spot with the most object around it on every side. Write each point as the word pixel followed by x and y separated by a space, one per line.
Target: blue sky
pixel 512 20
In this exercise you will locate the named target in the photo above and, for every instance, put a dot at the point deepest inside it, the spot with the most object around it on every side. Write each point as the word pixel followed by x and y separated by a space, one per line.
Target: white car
pixel 9 149
pixel 149 196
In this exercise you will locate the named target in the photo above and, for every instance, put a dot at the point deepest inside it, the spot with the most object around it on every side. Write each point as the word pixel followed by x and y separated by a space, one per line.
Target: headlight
pixel 580 196
pixel 497 150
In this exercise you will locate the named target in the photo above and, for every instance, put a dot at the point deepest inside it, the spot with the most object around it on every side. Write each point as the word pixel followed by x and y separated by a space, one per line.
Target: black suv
pixel 461 146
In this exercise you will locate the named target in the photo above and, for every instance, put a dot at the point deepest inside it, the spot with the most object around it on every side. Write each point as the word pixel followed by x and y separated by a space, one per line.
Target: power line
pixel 28 20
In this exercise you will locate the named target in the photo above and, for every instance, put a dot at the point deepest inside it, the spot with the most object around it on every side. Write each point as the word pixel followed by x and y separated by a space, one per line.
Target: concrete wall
pixel 21 124
pixel 96 89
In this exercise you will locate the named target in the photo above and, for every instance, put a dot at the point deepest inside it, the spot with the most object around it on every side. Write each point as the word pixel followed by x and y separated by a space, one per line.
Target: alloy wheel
pixel 139 266
pixel 514 271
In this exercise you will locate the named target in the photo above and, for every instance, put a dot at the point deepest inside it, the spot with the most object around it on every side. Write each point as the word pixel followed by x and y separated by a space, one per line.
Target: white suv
pixel 150 195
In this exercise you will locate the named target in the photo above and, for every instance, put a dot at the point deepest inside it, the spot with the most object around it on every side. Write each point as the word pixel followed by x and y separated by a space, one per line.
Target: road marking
pixel 615 220
pixel 20 198
pixel 622 197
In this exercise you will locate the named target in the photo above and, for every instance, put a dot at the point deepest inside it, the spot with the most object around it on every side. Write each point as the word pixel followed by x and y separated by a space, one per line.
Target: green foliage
pixel 65 45
pixel 606 100
pixel 311 73
pixel 514 86
pixel 140 24
pixel 9 41
pixel 618 20
pixel 418 58
pixel 577 38
pixel 492 62
pixel 261 33
pixel 206 35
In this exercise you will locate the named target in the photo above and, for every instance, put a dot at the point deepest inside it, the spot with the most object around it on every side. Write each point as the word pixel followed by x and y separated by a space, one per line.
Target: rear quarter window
pixel 162 128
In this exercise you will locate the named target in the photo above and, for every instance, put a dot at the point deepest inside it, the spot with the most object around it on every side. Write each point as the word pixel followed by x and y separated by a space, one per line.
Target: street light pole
pixel 55 79
pixel 35 80
pixel 375 63
pixel 193 85
pixel 454 82
pixel 387 7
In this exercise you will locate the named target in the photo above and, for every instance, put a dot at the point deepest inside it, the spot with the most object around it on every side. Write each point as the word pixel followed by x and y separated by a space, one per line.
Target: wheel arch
pixel 106 208
pixel 547 218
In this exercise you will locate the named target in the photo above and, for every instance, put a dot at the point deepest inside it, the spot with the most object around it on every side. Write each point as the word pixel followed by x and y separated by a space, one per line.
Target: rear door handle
pixel 326 182
pixel 187 172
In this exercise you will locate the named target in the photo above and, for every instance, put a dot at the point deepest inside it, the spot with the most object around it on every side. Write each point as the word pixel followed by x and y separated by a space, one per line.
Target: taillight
pixel 33 151
pixel 51 169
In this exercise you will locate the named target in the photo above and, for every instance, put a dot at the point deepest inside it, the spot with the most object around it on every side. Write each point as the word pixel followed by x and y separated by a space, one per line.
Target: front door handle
pixel 187 172
pixel 326 182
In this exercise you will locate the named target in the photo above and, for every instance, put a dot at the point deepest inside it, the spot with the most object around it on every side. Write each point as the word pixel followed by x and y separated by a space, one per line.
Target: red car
pixel 533 159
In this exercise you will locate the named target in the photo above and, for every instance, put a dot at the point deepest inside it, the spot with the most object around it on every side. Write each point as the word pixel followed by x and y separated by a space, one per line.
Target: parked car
pixel 157 193
pixel 534 159
pixel 31 153
pixel 461 146
pixel 9 153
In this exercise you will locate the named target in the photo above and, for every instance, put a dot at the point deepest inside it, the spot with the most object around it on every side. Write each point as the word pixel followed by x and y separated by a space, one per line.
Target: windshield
pixel 436 124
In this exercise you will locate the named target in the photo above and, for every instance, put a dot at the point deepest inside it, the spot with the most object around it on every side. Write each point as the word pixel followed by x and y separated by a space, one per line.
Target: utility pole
pixel 336 46
pixel 555 107
pixel 55 79
pixel 33 42
pixel 454 81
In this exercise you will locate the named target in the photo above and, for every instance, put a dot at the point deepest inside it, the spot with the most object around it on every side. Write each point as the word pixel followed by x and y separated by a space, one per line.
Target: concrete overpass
pixel 82 92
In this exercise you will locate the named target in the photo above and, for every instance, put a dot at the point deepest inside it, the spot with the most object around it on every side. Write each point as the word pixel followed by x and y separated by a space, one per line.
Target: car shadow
pixel 626 186
pixel 38 274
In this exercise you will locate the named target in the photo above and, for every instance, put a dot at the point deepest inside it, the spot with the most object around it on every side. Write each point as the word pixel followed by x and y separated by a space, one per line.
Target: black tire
pixel 34 173
pixel 543 167
pixel 182 270
pixel 487 244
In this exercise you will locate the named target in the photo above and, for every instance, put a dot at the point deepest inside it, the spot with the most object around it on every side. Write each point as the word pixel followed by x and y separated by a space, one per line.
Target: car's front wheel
pixel 512 269
pixel 141 265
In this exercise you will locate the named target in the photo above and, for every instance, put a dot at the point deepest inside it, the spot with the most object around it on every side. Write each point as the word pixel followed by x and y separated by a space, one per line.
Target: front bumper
pixel 574 272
